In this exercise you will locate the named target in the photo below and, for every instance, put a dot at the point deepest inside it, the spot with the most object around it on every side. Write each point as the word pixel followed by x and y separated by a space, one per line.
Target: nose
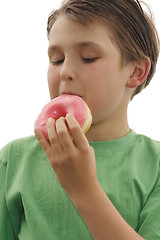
pixel 67 71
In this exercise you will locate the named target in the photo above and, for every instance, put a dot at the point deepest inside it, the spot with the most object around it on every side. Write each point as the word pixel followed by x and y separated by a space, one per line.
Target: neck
pixel 109 129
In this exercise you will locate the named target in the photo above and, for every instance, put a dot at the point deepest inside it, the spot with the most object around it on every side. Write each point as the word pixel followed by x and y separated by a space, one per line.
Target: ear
pixel 140 72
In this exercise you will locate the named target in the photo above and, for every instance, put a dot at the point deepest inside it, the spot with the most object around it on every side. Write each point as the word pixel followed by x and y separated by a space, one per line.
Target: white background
pixel 23 72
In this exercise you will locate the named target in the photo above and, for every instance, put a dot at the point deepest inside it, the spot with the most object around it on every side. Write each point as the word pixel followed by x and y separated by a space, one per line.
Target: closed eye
pixel 90 60
pixel 57 62
pixel 86 60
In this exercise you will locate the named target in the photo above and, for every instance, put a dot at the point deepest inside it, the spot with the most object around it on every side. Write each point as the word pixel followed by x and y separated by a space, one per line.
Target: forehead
pixel 66 30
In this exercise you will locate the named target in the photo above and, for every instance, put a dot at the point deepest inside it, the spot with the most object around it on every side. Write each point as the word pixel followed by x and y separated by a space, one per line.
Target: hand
pixel 71 157
pixel 73 161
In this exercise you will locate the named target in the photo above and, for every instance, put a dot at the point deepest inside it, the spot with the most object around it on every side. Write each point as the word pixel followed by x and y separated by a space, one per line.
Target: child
pixel 105 185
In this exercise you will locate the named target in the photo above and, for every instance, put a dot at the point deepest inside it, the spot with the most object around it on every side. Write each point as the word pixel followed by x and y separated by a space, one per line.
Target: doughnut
pixel 59 107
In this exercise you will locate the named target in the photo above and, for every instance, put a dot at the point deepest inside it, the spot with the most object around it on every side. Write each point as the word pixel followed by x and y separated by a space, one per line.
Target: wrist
pixel 86 195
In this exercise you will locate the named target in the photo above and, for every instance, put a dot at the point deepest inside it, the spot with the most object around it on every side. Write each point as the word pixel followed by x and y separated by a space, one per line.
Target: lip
pixel 70 93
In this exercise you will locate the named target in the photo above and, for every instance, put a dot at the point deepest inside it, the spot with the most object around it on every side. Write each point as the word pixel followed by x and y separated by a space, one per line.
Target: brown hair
pixel 133 30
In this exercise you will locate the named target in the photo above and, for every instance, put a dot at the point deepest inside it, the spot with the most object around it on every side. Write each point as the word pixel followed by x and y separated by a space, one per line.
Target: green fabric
pixel 33 205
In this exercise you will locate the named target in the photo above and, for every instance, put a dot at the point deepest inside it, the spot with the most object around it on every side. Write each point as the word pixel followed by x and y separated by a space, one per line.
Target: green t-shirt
pixel 34 206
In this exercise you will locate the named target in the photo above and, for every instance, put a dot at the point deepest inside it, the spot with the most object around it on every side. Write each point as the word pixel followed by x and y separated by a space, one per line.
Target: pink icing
pixel 60 106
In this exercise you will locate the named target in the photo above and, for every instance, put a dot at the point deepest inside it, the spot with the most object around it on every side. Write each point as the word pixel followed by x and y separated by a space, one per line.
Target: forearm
pixel 75 167
pixel 102 218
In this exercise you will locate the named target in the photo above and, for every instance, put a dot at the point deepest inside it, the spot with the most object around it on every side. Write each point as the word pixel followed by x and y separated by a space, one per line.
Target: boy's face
pixel 85 61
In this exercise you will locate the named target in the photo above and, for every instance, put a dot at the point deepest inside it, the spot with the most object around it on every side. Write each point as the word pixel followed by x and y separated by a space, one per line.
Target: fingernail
pixel 69 114
pixel 36 131
pixel 50 120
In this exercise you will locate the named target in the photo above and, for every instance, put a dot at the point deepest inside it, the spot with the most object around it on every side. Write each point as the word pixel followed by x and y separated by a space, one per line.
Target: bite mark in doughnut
pixel 62 105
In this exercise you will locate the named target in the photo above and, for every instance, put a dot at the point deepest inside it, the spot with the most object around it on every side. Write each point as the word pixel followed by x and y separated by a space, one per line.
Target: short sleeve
pixel 6 230
pixel 149 227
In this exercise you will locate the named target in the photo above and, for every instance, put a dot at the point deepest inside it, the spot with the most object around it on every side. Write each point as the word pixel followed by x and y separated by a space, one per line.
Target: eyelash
pixel 86 60
pixel 57 62
pixel 90 60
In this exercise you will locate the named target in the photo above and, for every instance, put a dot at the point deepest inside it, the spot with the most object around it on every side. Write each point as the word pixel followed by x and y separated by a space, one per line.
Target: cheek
pixel 53 82
pixel 104 96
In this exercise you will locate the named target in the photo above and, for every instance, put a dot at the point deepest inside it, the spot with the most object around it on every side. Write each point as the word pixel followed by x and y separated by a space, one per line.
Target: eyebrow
pixel 81 44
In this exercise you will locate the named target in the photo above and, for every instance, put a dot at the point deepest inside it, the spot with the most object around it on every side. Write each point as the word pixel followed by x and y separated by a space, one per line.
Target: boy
pixel 105 185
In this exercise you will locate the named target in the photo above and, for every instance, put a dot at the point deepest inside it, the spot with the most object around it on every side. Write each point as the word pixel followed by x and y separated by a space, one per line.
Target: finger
pixel 80 139
pixel 43 142
pixel 63 134
pixel 53 137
